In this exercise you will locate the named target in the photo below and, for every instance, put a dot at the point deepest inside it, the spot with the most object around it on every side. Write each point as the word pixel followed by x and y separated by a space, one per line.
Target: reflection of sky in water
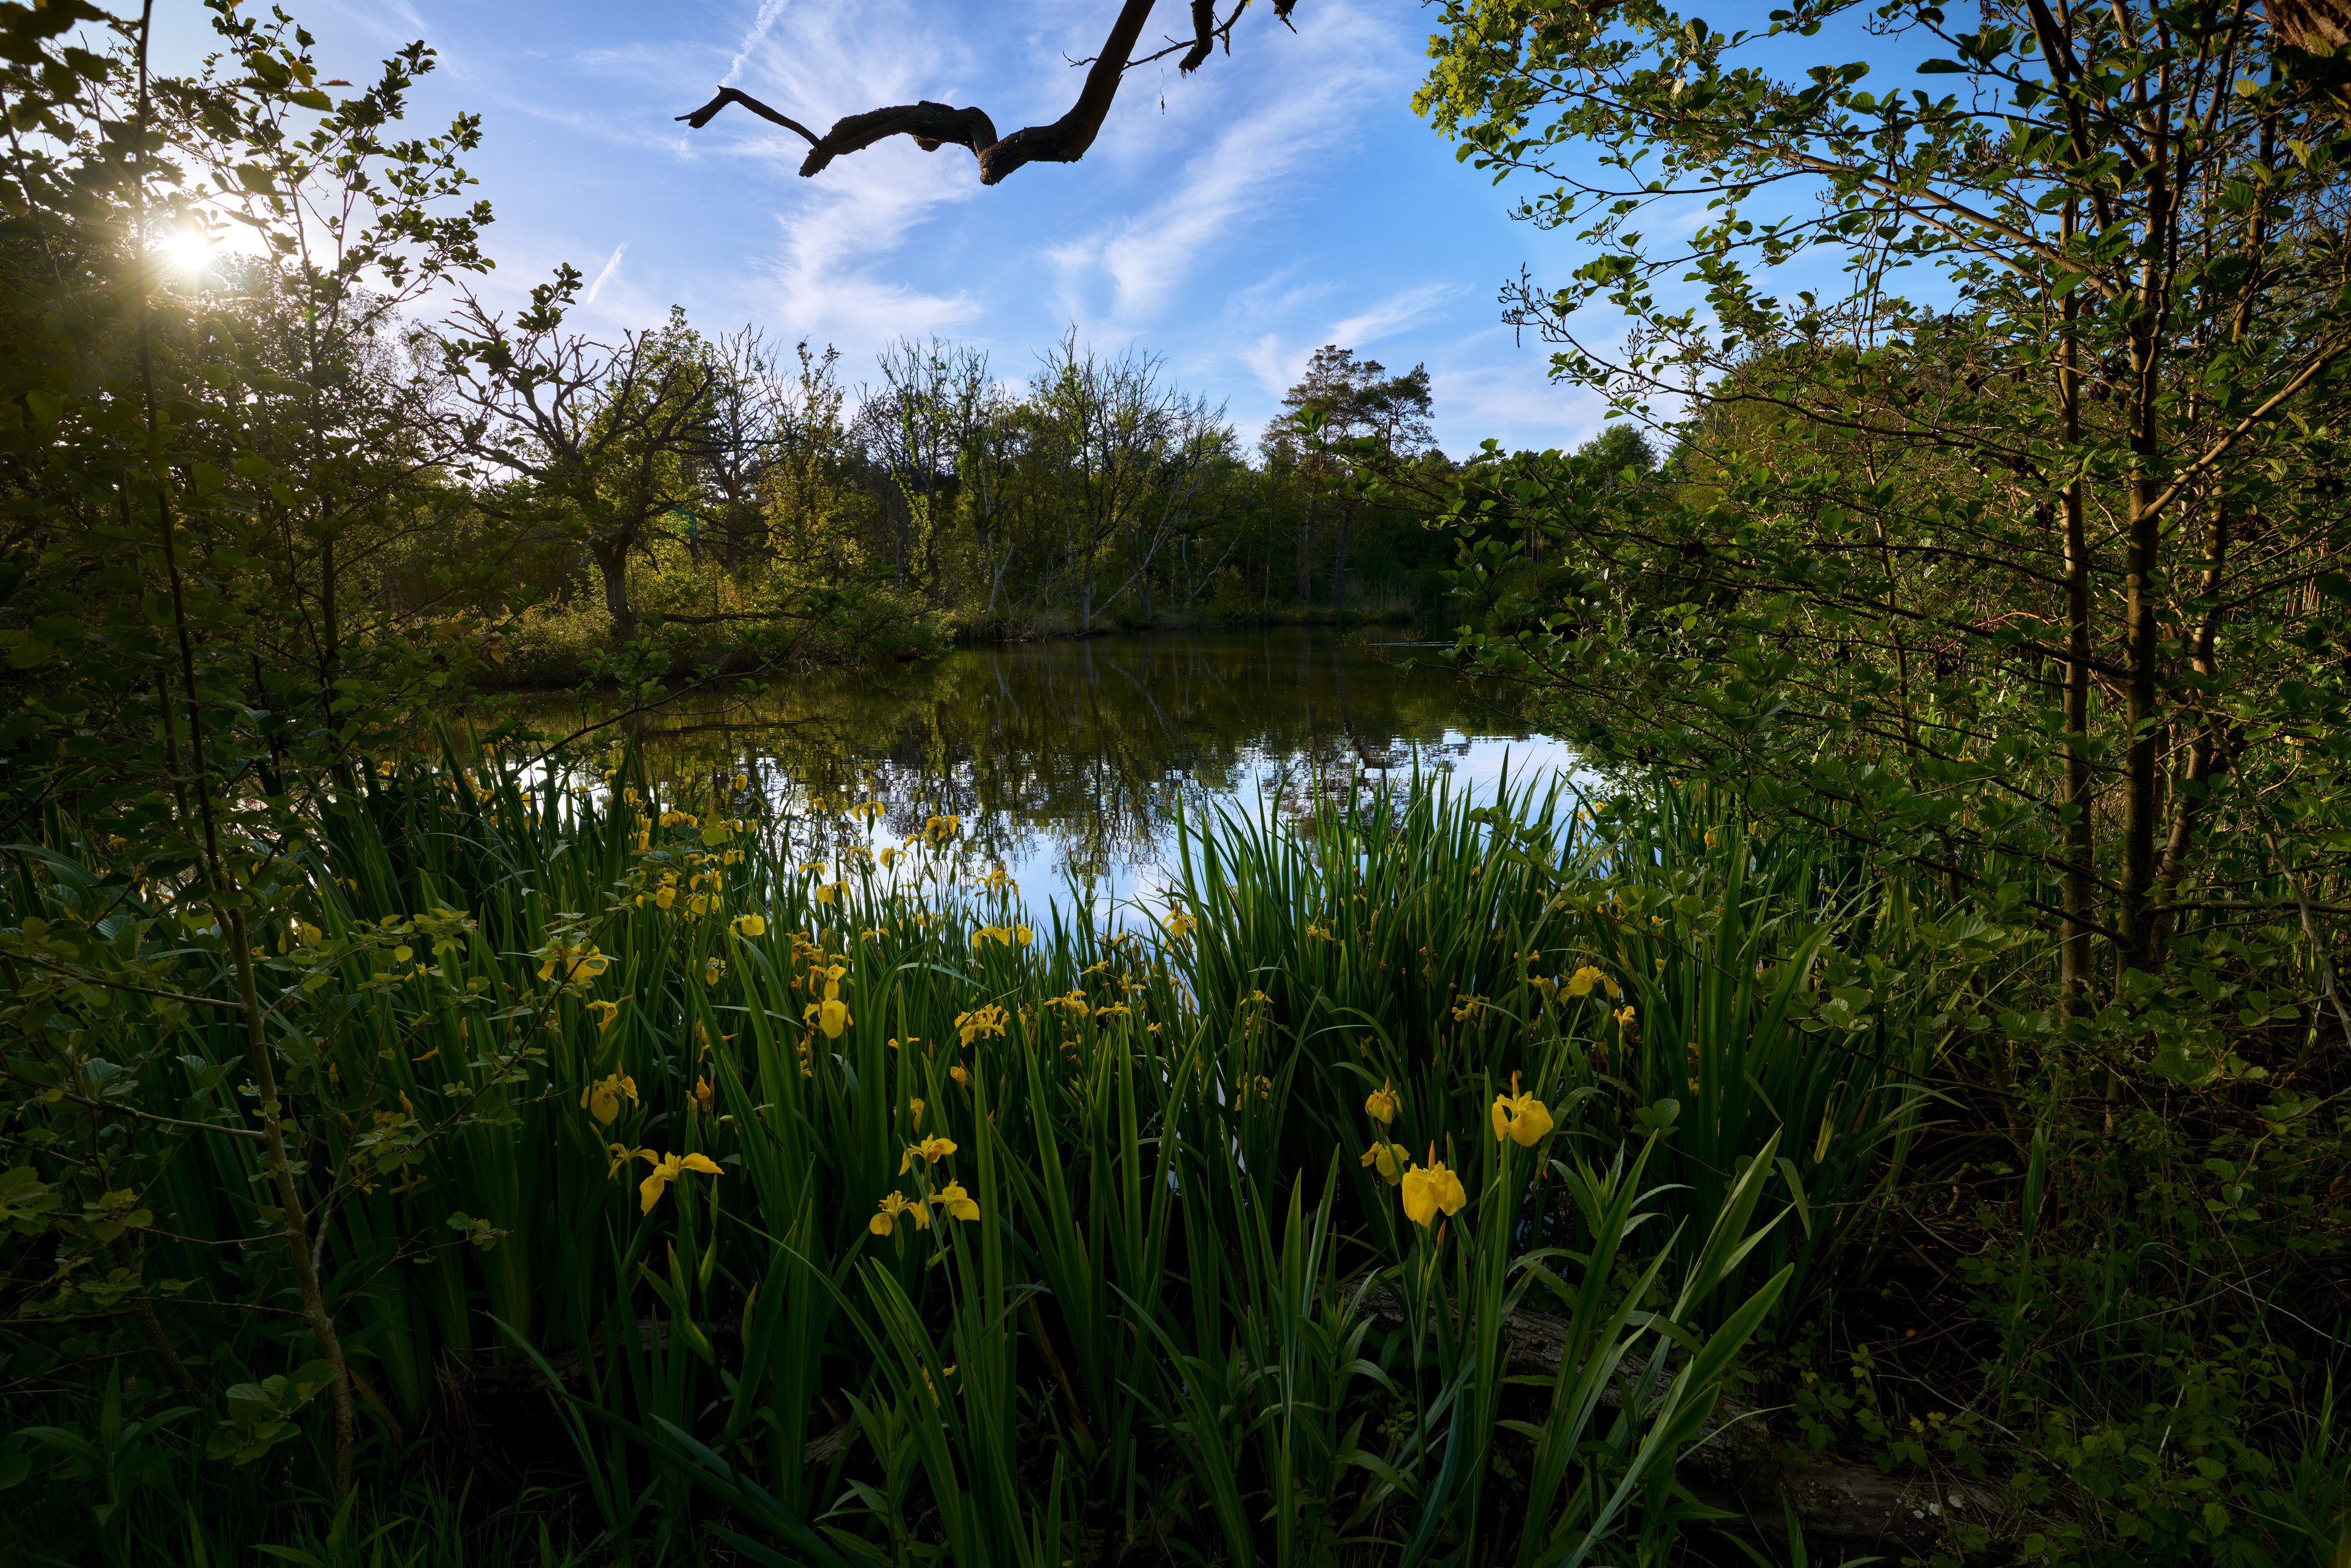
pixel 1070 762
pixel 1471 765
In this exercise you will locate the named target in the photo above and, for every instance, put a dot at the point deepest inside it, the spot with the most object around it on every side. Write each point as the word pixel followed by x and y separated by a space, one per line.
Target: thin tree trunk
pixel 1339 561
pixel 1306 547
pixel 2080 893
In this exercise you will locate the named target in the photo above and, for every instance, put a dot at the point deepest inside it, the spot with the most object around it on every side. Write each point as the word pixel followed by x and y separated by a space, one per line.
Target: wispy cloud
pixel 768 11
pixel 605 276
pixel 1406 308
pixel 1279 123
pixel 1277 359
pixel 843 236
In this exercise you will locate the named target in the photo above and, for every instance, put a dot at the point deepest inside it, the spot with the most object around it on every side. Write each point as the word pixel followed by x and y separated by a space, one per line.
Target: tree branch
pixel 934 125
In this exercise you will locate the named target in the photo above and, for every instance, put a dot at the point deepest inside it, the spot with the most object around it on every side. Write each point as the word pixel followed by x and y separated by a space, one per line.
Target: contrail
pixel 768 11
pixel 605 276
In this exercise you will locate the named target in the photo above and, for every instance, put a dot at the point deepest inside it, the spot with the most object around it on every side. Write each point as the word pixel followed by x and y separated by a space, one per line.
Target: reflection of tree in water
pixel 1091 747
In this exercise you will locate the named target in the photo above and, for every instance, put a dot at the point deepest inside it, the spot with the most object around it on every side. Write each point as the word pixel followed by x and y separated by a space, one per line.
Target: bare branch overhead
pixel 936 125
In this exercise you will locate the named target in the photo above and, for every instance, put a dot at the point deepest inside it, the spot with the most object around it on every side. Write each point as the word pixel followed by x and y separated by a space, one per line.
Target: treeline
pixel 555 502
pixel 726 481
pixel 379 473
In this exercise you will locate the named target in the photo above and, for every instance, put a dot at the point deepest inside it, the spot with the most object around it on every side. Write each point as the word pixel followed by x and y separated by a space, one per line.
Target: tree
pixel 185 477
pixel 931 413
pixel 1339 402
pixel 604 436
pixel 1122 452
pixel 1976 581
pixel 936 125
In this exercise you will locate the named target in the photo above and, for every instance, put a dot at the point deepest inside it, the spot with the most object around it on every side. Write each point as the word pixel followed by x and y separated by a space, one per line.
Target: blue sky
pixel 1283 198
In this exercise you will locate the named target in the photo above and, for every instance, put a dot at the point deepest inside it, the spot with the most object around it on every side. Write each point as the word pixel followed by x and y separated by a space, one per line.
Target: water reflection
pixel 1077 757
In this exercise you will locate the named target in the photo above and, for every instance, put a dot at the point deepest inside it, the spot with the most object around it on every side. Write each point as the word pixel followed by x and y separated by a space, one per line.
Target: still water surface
pixel 1069 762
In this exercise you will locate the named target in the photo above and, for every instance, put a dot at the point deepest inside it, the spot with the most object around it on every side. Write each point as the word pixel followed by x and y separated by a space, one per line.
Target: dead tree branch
pixel 936 125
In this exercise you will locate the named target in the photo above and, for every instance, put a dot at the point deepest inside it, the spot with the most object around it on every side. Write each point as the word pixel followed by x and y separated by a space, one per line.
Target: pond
pixel 1069 762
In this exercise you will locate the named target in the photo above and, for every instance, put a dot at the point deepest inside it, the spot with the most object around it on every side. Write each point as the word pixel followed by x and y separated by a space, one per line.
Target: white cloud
pixel 1480 388
pixel 768 11
pixel 605 276
pixel 1406 308
pixel 1284 118
pixel 841 230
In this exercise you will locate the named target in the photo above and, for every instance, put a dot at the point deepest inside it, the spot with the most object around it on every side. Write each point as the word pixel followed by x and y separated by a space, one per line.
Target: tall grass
pixel 1646 962
pixel 1123 1316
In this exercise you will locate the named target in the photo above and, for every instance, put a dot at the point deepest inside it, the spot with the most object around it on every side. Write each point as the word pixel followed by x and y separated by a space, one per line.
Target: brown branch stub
pixel 936 125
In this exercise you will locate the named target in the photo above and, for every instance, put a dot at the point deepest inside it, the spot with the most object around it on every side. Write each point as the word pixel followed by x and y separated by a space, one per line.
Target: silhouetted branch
pixel 936 125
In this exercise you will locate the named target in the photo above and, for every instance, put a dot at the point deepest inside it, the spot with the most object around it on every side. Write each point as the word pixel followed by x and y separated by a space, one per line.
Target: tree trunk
pixel 611 560
pixel 2080 892
pixel 1306 548
pixel 2142 801
pixel 2143 804
pixel 1339 561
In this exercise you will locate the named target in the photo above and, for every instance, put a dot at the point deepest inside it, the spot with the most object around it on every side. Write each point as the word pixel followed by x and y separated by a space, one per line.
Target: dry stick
pixel 232 920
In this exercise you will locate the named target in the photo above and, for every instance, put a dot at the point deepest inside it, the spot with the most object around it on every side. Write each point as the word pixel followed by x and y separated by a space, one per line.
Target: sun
pixel 187 250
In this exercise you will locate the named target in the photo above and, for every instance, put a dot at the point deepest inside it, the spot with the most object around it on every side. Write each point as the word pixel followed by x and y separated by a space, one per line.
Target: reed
pixel 1019 1246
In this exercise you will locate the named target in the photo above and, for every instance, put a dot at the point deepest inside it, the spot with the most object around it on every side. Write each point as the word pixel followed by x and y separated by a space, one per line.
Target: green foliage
pixel 607 1080
pixel 2005 576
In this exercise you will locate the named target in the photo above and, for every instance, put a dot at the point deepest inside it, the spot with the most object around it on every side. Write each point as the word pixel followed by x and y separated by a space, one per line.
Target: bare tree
pixel 1125 451
pixel 607 434
pixel 936 125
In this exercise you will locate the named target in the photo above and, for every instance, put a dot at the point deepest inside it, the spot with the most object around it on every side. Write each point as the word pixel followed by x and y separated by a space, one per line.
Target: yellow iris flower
pixel 669 1168
pixel 986 1020
pixel 830 1014
pixel 571 963
pixel 892 1205
pixel 888 857
pixel 751 925
pixel 957 1202
pixel 605 1011
pixel 930 1151
pixel 1521 1118
pixel 713 971
pixel 1383 1103
pixel 1389 1160
pixel 602 1099
pixel 1179 924
pixel 1426 1191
